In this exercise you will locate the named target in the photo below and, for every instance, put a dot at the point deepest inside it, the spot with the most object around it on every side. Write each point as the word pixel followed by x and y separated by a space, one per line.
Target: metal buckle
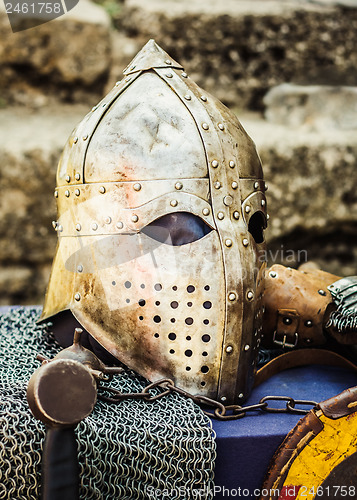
pixel 283 342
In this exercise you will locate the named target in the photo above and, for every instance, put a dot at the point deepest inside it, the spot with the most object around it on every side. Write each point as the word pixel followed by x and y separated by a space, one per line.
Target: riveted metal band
pixel 249 186
pixel 103 215
pixel 256 202
pixel 128 194
pixel 236 362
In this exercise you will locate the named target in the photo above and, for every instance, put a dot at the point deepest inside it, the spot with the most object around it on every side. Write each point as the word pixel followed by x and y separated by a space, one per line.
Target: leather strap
pixel 319 449
pixel 302 357
pixel 295 302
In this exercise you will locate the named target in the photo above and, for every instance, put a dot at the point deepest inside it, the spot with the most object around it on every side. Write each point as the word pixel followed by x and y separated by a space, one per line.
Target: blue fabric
pixel 246 446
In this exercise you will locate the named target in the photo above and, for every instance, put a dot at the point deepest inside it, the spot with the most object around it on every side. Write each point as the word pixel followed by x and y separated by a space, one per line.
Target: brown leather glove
pixel 295 305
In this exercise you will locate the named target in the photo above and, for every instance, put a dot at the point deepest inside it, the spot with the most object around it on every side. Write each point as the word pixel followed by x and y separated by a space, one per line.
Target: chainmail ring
pixel 133 450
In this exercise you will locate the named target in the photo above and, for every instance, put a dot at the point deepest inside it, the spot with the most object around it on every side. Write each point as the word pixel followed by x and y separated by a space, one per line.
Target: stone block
pixel 14 280
pixel 28 163
pixel 314 107
pixel 68 56
pixel 312 196
pixel 238 50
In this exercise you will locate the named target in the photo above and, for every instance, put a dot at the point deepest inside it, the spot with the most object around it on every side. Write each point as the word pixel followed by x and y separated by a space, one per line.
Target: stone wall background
pixel 287 68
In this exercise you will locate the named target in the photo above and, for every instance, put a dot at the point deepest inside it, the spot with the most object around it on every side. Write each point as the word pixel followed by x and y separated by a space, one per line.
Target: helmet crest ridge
pixel 151 56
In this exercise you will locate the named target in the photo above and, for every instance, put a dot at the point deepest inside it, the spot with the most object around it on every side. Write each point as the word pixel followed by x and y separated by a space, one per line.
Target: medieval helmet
pixel 161 211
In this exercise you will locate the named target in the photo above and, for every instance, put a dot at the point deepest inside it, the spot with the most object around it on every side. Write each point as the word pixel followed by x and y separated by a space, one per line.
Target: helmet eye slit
pixel 177 229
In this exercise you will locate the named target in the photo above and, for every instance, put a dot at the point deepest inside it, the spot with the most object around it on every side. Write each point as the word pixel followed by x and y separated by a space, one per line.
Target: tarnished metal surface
pixel 344 292
pixel 83 355
pixel 61 393
pixel 63 390
pixel 157 144
pixel 151 56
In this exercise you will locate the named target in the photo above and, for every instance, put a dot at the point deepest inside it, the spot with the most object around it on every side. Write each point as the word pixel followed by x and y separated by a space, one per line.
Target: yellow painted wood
pixel 337 441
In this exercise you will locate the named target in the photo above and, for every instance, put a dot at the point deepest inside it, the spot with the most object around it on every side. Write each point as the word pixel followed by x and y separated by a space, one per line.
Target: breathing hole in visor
pixel 179 228
pixel 256 226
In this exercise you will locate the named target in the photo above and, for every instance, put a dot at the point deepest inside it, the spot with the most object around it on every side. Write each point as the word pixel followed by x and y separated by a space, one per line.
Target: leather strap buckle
pixel 286 333
pixel 283 342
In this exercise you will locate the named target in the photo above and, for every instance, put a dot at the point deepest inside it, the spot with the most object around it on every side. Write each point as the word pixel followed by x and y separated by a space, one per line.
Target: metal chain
pixel 218 410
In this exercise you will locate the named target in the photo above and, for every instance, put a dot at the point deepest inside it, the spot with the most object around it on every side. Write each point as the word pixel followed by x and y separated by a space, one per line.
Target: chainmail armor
pixel 125 451
pixel 343 320
pixel 344 294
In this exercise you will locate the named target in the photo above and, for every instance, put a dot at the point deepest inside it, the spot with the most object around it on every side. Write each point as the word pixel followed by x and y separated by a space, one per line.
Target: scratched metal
pixel 157 145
